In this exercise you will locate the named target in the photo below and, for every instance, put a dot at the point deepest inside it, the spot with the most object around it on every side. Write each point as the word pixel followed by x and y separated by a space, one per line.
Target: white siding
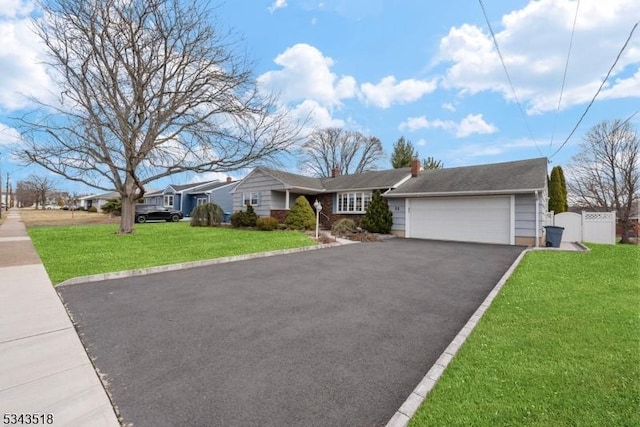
pixel 525 215
pixel 397 207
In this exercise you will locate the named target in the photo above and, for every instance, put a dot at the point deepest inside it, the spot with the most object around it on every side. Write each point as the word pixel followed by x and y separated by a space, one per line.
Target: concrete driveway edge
pixel 410 406
pixel 190 264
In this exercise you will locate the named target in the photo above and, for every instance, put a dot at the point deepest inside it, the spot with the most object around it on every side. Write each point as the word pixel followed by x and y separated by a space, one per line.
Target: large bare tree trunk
pixel 127 218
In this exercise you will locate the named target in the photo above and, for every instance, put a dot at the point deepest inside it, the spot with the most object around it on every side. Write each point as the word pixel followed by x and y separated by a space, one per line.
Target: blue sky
pixel 424 70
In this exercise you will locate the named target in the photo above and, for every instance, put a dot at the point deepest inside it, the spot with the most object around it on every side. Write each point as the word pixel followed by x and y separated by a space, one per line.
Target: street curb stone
pixel 185 265
pixel 410 406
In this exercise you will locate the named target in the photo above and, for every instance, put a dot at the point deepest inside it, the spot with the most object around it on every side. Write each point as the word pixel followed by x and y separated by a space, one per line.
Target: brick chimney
pixel 335 172
pixel 229 180
pixel 415 166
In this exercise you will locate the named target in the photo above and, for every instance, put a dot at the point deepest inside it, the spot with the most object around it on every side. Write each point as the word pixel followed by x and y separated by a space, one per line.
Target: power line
pixel 599 89
pixel 495 43
pixel 564 76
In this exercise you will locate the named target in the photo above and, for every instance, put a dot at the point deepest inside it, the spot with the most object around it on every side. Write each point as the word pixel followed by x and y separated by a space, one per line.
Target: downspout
pixel 537 220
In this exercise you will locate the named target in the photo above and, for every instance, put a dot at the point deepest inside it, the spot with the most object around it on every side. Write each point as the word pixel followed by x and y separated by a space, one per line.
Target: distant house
pixel 97 200
pixel 185 197
pixel 496 203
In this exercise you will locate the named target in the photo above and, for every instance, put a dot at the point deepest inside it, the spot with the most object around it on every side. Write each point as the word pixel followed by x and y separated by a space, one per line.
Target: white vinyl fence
pixel 592 227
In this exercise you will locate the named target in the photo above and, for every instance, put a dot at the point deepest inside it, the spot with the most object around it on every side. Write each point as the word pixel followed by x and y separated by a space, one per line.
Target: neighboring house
pixel 218 192
pixel 187 196
pixel 272 192
pixel 496 203
pixel 97 200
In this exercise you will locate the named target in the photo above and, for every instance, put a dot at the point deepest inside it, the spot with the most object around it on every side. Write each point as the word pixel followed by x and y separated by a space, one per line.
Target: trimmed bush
pixel 112 205
pixel 247 218
pixel 301 216
pixel 378 218
pixel 343 227
pixel 267 223
pixel 206 215
pixel 92 209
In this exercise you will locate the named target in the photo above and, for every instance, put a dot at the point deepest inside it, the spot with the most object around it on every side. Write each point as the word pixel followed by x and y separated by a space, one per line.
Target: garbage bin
pixel 554 236
pixel 226 217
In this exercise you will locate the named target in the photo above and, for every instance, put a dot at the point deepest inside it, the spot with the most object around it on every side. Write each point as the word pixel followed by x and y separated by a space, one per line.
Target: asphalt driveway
pixel 332 337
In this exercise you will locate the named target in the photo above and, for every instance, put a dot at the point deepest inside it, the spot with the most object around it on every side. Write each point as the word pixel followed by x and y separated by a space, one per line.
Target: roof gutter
pixel 464 193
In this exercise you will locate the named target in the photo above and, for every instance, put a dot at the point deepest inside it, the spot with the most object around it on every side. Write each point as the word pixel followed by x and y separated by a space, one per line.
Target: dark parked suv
pixel 146 213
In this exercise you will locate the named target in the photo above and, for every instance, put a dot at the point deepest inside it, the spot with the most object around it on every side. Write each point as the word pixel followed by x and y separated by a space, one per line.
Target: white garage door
pixel 467 219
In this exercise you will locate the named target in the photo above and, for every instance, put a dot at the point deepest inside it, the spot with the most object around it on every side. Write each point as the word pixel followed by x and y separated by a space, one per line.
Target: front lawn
pixel 83 250
pixel 560 346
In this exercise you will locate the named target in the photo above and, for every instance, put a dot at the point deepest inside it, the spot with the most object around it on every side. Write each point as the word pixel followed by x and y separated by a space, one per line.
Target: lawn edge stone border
pixel 410 406
pixel 191 264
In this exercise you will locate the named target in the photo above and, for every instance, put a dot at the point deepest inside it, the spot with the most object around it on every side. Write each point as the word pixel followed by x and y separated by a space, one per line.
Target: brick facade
pixel 327 217
pixel 327 209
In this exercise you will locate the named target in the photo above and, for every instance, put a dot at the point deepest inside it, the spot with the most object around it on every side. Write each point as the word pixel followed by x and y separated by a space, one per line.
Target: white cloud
pixel 474 123
pixel 389 91
pixel 469 125
pixel 21 52
pixel 467 152
pixel 416 123
pixel 8 135
pixel 449 107
pixel 15 8
pixel 278 4
pixel 534 42
pixel 315 115
pixel 306 74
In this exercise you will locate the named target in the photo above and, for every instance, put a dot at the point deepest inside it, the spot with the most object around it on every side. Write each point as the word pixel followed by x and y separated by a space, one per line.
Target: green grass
pixel 560 346
pixel 68 252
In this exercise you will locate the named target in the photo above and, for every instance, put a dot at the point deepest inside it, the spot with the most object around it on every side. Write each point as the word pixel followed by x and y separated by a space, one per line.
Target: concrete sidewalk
pixel 44 367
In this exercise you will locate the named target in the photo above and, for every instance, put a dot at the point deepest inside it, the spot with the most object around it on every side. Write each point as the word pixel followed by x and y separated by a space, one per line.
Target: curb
pixel 410 406
pixel 190 264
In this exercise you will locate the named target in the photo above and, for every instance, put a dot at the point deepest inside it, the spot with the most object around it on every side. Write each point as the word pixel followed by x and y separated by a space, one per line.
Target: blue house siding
pixel 222 197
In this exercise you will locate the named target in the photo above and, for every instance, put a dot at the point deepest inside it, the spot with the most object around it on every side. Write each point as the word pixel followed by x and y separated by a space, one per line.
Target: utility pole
pixel 0 185
pixel 7 195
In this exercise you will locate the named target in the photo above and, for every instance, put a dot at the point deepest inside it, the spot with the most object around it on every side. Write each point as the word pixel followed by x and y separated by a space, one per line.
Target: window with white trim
pixel 201 201
pixel 250 198
pixel 356 202
pixel 168 200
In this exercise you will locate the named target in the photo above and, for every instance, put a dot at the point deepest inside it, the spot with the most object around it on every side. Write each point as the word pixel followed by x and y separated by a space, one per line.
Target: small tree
pixel 247 218
pixel 112 205
pixel 378 218
pixel 206 215
pixel 557 193
pixel 563 184
pixel 432 163
pixel 403 152
pixel 301 216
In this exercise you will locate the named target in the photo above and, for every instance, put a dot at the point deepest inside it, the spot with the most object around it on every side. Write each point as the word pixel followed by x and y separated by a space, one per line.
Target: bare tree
pixel 148 89
pixel 39 188
pixel 605 173
pixel 25 194
pixel 348 151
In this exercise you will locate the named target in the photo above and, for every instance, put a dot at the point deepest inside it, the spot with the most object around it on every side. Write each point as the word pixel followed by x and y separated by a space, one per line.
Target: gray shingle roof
pixel 366 180
pixel 362 181
pixel 294 180
pixel 204 187
pixel 518 176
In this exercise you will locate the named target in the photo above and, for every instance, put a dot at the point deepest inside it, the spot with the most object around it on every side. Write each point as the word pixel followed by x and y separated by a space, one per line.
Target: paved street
pixel 332 337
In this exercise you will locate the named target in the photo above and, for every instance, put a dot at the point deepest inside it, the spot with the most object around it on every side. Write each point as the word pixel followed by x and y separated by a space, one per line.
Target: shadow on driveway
pixel 331 337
